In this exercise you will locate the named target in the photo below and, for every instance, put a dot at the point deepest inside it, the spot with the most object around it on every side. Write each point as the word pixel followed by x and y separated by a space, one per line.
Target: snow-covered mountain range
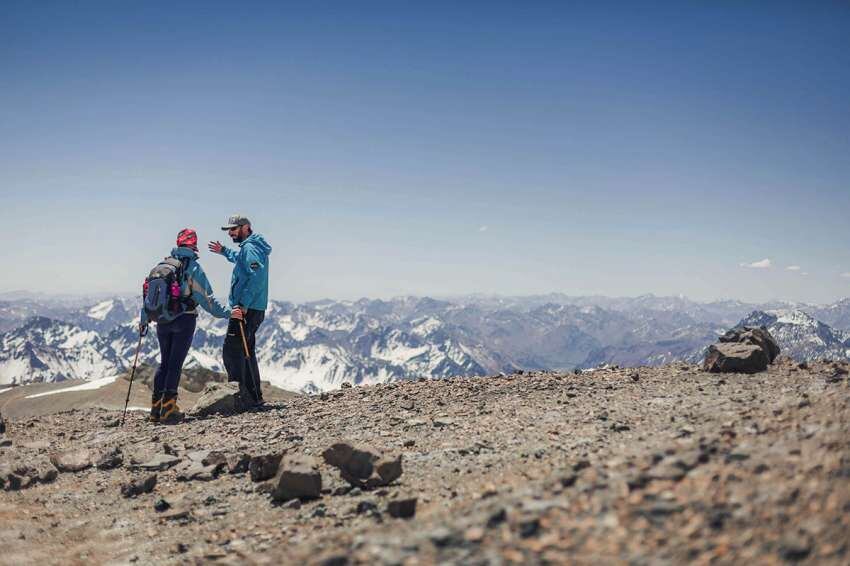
pixel 320 345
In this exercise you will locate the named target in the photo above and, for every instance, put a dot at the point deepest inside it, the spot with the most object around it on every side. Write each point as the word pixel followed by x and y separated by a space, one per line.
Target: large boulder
pixel 297 477
pixel 363 466
pixel 218 399
pixel 730 357
pixel 755 336
pixel 742 350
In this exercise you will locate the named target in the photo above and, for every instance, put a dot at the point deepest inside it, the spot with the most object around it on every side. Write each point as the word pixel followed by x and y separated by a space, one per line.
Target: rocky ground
pixel 663 465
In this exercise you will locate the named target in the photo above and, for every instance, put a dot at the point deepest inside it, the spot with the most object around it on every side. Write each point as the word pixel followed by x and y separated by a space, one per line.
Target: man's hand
pixel 215 247
pixel 237 313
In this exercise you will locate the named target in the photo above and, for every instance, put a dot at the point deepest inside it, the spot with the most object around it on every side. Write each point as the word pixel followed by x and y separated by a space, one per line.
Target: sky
pixel 433 148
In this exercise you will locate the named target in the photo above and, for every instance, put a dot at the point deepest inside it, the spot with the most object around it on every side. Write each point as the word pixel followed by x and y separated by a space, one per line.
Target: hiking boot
pixel 156 408
pixel 246 398
pixel 170 412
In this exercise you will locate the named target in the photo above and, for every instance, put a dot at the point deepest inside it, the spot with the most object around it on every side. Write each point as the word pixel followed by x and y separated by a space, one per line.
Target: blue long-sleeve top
pixel 249 284
pixel 195 285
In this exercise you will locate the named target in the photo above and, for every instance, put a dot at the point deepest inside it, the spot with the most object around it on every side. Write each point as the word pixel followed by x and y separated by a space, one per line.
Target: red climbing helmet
pixel 188 238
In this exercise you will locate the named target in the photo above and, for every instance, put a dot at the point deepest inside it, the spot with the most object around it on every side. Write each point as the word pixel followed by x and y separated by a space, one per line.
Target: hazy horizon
pixel 11 295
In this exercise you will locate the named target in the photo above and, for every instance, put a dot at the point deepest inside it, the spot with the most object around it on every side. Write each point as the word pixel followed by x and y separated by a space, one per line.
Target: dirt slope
pixel 665 465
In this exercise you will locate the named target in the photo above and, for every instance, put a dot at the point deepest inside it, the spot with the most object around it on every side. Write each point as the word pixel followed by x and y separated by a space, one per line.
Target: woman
pixel 175 332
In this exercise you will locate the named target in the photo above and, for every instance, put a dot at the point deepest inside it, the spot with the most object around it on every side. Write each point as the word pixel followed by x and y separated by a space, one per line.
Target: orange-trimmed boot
pixel 156 407
pixel 170 412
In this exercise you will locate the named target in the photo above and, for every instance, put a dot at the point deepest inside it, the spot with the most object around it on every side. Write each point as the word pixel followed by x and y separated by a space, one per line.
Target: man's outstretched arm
pixel 217 248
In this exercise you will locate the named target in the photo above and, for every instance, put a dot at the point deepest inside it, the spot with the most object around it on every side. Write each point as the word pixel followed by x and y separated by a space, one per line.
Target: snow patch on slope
pixel 88 386
pixel 101 310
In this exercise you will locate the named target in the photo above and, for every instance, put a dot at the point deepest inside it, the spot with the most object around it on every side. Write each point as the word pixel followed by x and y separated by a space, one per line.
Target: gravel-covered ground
pixel 661 465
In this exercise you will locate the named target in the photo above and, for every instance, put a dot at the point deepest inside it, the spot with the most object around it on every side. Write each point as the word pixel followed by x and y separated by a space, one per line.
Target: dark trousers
pixel 174 337
pixel 235 361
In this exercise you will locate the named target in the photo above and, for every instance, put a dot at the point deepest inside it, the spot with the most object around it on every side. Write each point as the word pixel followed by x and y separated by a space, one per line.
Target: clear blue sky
pixel 386 148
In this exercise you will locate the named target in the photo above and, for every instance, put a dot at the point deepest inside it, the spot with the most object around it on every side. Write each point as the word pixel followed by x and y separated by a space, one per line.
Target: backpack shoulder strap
pixel 183 277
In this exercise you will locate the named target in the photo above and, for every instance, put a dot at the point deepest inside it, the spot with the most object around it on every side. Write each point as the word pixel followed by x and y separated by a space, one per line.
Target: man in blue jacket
pixel 249 297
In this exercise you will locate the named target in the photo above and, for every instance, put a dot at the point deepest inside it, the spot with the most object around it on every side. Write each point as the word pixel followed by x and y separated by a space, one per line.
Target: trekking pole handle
pixel 244 340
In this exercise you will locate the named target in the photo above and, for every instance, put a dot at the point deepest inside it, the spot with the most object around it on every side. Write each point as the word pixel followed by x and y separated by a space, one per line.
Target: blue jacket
pixel 196 285
pixel 249 284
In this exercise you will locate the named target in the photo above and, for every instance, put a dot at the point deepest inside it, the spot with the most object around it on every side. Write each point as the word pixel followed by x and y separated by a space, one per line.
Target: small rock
pixel 238 463
pixel 297 477
pixel 159 462
pixel 197 471
pixel 110 459
pixel 365 507
pixel 794 548
pixel 363 466
pixel 402 508
pixel 473 534
pixel 48 474
pixel 737 455
pixel 264 466
pixel 175 515
pixel 441 537
pixel 529 527
pixel 72 460
pixel 138 487
pixel 10 481
pixel 161 505
pixel 497 518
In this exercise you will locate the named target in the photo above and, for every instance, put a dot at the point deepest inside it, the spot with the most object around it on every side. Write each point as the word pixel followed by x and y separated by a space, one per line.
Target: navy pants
pixel 235 362
pixel 175 338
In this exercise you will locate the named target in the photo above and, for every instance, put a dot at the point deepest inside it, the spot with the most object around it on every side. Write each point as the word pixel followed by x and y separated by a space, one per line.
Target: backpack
pixel 161 292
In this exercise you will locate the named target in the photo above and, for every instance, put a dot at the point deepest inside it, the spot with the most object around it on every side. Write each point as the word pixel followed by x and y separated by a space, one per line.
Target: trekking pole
pixel 254 383
pixel 132 375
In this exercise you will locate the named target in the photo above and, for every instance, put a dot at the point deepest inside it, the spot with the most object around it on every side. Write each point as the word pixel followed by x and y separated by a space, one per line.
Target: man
pixel 249 294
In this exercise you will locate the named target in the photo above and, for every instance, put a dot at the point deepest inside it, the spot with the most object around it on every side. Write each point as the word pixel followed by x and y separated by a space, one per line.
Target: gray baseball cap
pixel 235 220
